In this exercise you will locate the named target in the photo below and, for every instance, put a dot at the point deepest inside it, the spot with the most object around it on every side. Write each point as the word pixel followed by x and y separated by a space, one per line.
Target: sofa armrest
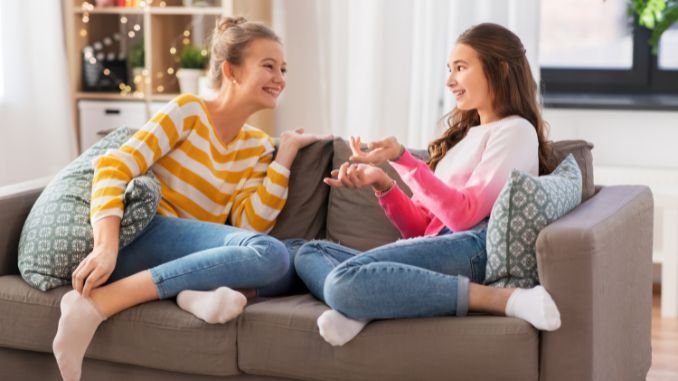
pixel 597 264
pixel 15 204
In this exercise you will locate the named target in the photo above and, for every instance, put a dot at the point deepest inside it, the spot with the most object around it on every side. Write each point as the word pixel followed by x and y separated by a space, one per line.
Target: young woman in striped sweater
pixel 439 269
pixel 220 189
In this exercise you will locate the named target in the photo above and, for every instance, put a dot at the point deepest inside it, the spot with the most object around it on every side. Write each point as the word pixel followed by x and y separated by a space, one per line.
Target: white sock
pixel 337 329
pixel 77 324
pixel 216 306
pixel 536 306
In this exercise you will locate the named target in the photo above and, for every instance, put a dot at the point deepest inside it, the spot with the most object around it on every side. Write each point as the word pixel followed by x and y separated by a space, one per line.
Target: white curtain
pixel 36 122
pixel 378 67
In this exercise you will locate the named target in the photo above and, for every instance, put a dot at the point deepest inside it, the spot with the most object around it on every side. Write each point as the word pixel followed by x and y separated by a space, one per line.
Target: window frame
pixel 643 78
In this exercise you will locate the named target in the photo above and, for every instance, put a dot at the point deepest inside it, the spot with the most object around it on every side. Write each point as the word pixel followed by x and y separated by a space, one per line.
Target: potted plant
pixel 137 61
pixel 192 63
pixel 656 15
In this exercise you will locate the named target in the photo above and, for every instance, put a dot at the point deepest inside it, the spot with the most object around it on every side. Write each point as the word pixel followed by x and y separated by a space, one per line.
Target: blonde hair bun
pixel 229 22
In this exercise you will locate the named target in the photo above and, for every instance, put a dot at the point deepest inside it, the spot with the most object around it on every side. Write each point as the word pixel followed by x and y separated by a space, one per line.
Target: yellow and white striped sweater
pixel 200 177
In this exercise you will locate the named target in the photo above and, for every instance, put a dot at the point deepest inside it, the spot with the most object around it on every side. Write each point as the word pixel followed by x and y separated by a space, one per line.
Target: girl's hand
pixel 290 144
pixel 94 270
pixel 354 176
pixel 378 151
pixel 297 139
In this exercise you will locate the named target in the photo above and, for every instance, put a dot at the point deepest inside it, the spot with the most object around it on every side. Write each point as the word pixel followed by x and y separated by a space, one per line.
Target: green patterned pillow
pixel 57 234
pixel 526 205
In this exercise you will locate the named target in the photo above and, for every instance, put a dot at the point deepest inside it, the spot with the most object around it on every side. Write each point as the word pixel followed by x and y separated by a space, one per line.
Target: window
pixel 596 47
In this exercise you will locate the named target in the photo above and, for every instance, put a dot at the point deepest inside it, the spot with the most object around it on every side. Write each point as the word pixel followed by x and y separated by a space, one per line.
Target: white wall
pixel 626 138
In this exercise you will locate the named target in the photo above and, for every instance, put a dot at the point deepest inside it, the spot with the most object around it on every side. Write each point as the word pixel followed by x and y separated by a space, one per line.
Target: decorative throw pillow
pixel 57 234
pixel 526 205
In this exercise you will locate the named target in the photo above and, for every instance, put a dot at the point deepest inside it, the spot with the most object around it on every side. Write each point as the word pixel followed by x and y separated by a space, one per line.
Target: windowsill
pixel 612 101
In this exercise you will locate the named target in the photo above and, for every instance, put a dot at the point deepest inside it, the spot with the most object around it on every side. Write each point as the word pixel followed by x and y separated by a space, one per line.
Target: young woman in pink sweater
pixel 439 268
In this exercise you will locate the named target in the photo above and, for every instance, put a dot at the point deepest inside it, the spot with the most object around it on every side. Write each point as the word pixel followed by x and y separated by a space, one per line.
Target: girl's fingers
pixel 80 276
pixel 355 146
pixel 332 182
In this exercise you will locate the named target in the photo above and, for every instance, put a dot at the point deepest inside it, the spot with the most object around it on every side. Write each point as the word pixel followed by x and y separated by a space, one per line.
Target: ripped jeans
pixel 424 276
pixel 184 254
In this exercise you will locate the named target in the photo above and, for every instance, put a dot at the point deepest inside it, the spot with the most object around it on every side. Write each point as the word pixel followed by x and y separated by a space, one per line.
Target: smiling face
pixel 261 77
pixel 467 80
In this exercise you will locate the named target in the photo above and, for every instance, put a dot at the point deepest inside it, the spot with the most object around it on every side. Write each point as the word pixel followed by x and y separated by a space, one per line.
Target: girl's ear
pixel 228 72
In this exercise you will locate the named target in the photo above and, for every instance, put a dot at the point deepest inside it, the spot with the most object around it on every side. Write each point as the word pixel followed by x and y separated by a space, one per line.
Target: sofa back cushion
pixel 581 150
pixel 57 234
pixel 305 211
pixel 354 216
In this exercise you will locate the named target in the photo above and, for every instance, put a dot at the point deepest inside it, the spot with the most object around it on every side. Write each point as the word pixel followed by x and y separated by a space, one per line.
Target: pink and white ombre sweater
pixel 466 182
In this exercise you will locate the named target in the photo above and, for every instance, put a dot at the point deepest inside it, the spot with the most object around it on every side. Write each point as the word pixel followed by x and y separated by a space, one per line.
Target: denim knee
pixel 307 250
pixel 274 257
pixel 340 291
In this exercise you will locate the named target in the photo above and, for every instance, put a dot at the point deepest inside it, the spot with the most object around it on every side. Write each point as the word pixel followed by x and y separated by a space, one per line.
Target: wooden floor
pixel 664 347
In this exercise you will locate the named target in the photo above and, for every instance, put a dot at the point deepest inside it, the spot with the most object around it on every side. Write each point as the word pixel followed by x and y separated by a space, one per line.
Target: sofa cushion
pixel 57 234
pixel 305 211
pixel 354 216
pixel 525 205
pixel 581 150
pixel 279 337
pixel 156 335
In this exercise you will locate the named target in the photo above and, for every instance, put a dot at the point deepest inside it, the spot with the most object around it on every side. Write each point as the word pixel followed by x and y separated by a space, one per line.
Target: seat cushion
pixel 156 335
pixel 279 337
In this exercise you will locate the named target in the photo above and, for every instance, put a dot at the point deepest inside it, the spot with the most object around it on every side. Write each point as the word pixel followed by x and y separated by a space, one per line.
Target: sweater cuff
pixel 279 168
pixel 380 194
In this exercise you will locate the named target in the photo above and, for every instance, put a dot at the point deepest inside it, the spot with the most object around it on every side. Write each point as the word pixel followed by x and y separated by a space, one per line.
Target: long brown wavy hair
pixel 514 91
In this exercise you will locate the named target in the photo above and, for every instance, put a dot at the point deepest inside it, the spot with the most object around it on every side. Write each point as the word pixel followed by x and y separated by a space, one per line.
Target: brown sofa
pixel 595 261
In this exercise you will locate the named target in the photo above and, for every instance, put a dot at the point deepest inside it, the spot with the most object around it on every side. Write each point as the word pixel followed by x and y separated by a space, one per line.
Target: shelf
pixel 217 11
pixel 163 97
pixel 107 96
pixel 111 11
pixel 153 10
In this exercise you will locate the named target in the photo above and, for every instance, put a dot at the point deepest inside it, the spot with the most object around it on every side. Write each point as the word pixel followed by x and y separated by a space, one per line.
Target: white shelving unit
pixel 158 26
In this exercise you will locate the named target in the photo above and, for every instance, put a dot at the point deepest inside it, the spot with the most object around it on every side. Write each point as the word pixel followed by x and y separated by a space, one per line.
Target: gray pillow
pixel 581 150
pixel 354 216
pixel 57 234
pixel 526 205
pixel 305 211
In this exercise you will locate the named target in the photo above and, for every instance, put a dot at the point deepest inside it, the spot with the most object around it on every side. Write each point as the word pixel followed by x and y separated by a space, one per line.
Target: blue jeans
pixel 184 254
pixel 425 276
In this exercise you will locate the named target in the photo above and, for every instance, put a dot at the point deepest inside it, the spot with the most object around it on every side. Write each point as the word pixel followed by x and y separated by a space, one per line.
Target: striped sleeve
pixel 264 195
pixel 117 167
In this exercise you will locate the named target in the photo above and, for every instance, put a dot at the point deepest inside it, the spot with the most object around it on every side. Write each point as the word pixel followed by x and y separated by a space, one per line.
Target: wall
pixel 621 137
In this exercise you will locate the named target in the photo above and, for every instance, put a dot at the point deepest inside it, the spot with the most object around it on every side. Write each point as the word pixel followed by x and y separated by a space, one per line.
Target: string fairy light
pixel 99 57
pixel 138 79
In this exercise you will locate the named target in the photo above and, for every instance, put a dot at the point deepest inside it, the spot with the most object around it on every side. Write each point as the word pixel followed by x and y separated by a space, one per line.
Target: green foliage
pixel 191 57
pixel 136 55
pixel 656 15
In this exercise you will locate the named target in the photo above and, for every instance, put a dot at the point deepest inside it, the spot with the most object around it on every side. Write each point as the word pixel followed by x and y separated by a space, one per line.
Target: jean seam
pixel 162 278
